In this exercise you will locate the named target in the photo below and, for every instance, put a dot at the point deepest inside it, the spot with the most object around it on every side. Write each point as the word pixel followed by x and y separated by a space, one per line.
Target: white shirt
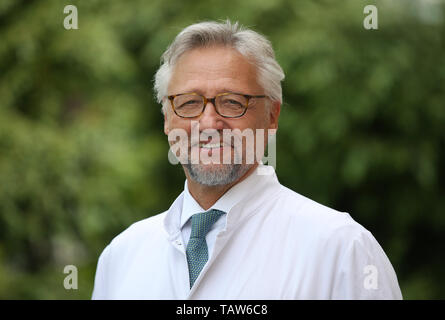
pixel 190 207
pixel 274 244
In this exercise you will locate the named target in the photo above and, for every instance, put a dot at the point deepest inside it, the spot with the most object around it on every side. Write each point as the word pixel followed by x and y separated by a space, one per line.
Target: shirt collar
pixel 260 184
pixel 189 206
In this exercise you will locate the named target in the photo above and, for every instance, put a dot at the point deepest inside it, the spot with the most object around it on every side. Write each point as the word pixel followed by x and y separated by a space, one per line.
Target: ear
pixel 166 130
pixel 274 113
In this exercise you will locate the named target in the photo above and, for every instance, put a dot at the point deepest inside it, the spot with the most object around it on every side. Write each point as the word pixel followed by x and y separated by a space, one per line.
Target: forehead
pixel 213 69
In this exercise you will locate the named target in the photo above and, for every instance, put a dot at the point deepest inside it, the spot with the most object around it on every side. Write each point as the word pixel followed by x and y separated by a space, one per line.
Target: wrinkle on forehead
pixel 213 69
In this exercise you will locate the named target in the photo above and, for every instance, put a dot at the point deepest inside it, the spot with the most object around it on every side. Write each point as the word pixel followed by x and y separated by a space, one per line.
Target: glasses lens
pixel 231 105
pixel 188 105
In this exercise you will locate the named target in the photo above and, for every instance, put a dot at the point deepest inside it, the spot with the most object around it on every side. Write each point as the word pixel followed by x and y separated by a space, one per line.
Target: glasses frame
pixel 213 101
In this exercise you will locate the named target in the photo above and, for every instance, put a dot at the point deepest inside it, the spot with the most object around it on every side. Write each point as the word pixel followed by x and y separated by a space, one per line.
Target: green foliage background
pixel 83 154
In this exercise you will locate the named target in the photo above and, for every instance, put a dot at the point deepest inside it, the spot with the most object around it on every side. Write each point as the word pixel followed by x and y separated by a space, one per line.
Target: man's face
pixel 211 71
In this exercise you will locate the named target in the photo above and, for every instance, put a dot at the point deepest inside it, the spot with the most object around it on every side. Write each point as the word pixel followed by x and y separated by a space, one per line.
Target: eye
pixel 188 103
pixel 231 103
pixel 192 102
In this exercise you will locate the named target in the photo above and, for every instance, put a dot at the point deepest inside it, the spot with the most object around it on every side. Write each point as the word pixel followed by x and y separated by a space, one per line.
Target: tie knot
pixel 202 222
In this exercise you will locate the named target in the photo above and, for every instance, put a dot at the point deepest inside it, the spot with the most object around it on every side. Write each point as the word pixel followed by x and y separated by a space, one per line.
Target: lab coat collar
pixel 256 188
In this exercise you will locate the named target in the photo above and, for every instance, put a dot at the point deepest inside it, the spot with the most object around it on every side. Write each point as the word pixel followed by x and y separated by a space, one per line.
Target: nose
pixel 210 119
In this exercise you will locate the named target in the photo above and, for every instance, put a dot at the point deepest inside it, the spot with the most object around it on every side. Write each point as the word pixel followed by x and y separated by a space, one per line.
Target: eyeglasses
pixel 227 105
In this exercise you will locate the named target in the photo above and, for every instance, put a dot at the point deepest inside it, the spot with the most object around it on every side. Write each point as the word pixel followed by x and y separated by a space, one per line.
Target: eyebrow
pixel 199 91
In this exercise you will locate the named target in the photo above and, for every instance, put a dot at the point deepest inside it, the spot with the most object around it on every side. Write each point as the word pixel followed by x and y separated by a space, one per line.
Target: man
pixel 236 232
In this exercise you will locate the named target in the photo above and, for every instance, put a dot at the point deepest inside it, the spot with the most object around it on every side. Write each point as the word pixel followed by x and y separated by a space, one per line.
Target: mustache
pixel 215 136
pixel 221 142
pixel 226 138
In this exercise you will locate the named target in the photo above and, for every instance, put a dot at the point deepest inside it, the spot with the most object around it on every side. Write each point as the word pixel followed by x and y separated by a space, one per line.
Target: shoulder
pixel 321 221
pixel 121 251
pixel 333 234
pixel 140 231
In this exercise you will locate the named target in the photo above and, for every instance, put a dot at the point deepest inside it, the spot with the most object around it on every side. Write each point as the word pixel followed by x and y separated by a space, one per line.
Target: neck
pixel 207 196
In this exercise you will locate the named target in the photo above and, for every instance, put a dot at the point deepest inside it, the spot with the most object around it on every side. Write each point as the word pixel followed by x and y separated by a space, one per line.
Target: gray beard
pixel 224 175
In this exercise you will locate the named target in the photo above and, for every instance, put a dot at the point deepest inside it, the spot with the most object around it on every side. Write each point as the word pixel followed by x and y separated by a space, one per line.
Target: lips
pixel 211 145
pixel 212 148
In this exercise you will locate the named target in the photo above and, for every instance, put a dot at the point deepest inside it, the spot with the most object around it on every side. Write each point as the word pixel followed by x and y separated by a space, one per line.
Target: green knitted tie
pixel 197 253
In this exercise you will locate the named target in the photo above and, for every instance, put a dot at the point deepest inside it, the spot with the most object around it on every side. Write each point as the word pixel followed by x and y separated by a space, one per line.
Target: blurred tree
pixel 83 155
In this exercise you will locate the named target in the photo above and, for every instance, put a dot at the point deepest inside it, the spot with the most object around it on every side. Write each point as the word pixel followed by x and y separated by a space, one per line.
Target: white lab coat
pixel 276 244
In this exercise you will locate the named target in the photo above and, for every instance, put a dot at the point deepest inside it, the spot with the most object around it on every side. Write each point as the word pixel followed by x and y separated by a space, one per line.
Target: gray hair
pixel 252 45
